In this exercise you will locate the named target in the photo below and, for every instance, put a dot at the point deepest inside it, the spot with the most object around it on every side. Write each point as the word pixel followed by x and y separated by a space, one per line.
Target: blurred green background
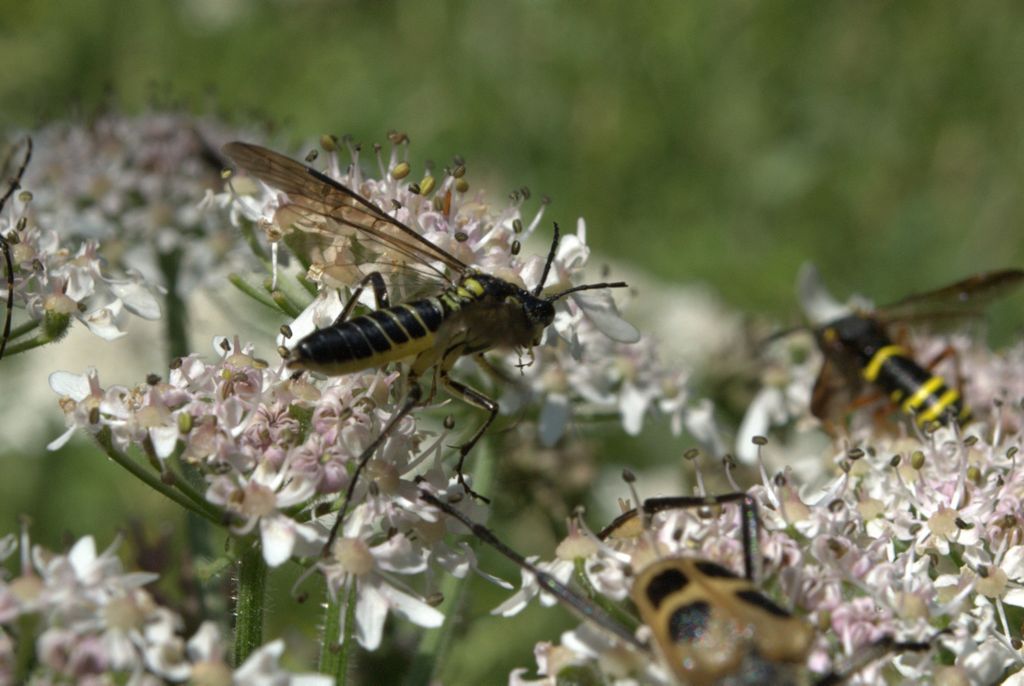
pixel 705 143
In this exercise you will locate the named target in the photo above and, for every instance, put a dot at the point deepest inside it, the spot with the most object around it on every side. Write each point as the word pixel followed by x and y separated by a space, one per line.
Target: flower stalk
pixel 250 601
pixel 336 650
pixel 203 509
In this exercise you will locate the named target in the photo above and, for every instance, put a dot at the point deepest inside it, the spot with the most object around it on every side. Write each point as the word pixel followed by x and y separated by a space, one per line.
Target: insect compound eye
pixel 688 623
pixel 665 584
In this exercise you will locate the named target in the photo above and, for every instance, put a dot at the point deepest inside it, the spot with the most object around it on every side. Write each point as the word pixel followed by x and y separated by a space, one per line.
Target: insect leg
pixel 410 402
pixel 494 372
pixel 877 650
pixel 750 527
pixel 380 295
pixel 473 397
pixel 575 602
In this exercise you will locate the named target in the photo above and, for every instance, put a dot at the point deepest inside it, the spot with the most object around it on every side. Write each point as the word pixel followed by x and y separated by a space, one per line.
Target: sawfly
pixel 461 310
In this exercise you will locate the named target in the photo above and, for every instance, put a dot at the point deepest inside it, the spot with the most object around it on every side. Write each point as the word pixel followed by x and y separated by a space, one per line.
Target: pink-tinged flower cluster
pixel 134 185
pixel 277 453
pixel 918 537
pixel 92 622
pixel 58 278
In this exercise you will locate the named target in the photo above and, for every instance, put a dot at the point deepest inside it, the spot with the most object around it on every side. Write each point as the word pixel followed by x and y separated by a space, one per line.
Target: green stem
pixel 336 650
pixel 435 645
pixel 203 509
pixel 25 648
pixel 253 292
pixel 23 328
pixel 183 483
pixel 36 342
pixel 249 233
pixel 176 315
pixel 252 590
pixel 285 304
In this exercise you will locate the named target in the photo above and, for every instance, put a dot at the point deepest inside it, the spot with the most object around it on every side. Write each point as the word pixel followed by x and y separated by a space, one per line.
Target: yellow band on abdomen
pixel 927 389
pixel 873 367
pixel 940 406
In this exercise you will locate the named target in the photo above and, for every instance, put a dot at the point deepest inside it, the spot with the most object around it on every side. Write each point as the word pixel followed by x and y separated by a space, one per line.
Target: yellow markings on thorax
pixel 473 286
pixel 872 369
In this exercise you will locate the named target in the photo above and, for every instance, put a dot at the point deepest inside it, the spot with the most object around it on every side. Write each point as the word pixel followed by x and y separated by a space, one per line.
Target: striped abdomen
pixel 374 339
pixel 917 391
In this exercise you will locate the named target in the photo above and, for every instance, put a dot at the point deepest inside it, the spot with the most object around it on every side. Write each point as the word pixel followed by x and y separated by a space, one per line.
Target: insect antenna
pixel 15 184
pixel 548 263
pixel 574 289
pixel 578 604
pixel 587 287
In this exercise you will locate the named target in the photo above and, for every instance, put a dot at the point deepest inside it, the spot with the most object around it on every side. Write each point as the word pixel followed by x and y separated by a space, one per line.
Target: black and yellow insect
pixel 5 241
pixel 711 627
pixel 469 313
pixel 858 344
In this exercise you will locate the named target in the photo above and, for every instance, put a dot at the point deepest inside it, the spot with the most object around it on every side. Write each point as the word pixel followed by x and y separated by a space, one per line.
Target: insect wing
pixel 336 226
pixel 832 391
pixel 963 299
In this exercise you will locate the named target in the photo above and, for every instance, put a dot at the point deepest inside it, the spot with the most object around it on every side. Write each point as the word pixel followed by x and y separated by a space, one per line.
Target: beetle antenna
pixel 547 264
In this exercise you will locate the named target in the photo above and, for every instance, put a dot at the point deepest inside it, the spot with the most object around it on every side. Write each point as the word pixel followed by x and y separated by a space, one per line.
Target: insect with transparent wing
pixel 860 351
pixel 468 313
pixel 710 626
pixel 5 241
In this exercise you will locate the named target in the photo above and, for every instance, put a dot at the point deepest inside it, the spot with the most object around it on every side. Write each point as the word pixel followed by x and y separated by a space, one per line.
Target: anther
pixel 400 170
pixel 329 142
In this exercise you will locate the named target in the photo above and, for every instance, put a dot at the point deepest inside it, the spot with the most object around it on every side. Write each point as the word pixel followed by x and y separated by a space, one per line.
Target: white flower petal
pixel 206 644
pixel 137 299
pixel 82 556
pixel 164 438
pixel 554 416
pixel 74 386
pixel 103 322
pixel 599 307
pixel 633 403
pixel 277 533
pixel 414 609
pixel 61 441
pixel 371 611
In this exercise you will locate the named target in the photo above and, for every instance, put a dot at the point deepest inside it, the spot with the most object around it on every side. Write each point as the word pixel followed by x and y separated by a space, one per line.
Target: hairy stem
pixel 205 510
pixel 337 649
pixel 252 591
